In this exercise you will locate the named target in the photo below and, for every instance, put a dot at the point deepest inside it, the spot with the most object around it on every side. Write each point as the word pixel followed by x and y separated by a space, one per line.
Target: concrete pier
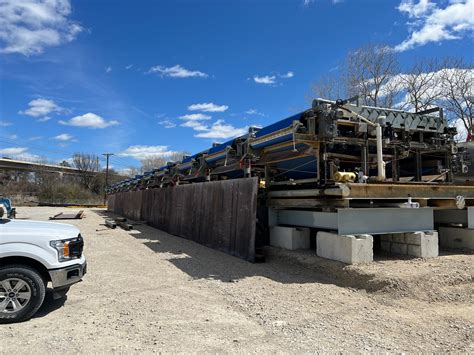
pixel 417 244
pixel 349 249
pixel 290 238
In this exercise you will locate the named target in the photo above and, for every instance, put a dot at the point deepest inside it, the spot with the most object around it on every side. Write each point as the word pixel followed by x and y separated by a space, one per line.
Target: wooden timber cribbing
pixel 219 214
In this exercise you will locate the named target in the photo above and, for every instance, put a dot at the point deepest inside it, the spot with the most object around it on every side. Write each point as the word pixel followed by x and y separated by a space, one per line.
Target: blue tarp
pixel 287 122
pixel 221 147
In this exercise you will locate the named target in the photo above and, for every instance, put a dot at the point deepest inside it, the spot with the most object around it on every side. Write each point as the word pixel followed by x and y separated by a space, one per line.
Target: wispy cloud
pixel 196 125
pixel 20 153
pixel 64 137
pixel 108 69
pixel 30 26
pixel 253 111
pixel 266 79
pixel 208 107
pixel 430 23
pixel 177 71
pixel 288 75
pixel 5 123
pixel 41 107
pixel 146 151
pixel 129 66
pixel 167 123
pixel 195 117
pixel 89 120
pixel 272 79
pixel 221 130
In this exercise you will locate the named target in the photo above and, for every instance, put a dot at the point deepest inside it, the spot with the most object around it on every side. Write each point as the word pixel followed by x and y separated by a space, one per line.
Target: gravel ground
pixel 148 291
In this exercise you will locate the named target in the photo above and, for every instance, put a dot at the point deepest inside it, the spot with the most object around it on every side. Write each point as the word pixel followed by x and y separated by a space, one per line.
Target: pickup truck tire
pixel 22 291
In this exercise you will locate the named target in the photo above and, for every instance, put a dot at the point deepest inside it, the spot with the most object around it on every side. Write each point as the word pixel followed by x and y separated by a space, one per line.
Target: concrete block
pixel 414 238
pixel 385 246
pixel 399 248
pixel 290 238
pixel 456 238
pixel 386 237
pixel 349 249
pixel 414 250
pixel 398 238
pixel 428 244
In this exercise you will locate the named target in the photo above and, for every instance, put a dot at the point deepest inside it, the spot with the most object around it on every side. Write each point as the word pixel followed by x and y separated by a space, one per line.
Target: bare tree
pixel 88 165
pixel 457 79
pixel 329 87
pixel 369 72
pixel 155 162
pixel 422 84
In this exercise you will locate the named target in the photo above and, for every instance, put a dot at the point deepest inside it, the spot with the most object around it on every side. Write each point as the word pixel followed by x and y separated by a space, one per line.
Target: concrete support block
pixel 385 246
pixel 349 249
pixel 290 238
pixel 414 238
pixel 398 238
pixel 399 248
pixel 423 244
pixel 456 238
pixel 418 244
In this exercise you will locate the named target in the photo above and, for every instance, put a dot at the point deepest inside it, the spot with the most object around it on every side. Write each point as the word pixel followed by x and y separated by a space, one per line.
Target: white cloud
pixel 177 71
pixel 41 107
pixel 221 130
pixel 416 10
pixel 89 120
pixel 129 66
pixel 195 117
pixel 20 153
pixel 208 107
pixel 64 137
pixel 196 125
pixel 253 111
pixel 288 75
pixel 434 24
pixel 146 151
pixel 167 124
pixel 30 26
pixel 5 123
pixel 108 69
pixel 44 119
pixel 13 151
pixel 435 90
pixel 13 136
pixel 462 131
pixel 267 79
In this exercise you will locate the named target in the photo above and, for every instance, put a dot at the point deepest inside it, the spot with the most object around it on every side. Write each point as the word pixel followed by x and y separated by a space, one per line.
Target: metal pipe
pixel 380 162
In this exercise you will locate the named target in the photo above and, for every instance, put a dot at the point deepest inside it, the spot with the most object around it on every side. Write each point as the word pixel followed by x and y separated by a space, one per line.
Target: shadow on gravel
pixel 50 304
pixel 201 262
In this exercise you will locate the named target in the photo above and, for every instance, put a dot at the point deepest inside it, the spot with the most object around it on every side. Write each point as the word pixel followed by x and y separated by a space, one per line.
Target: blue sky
pixel 152 77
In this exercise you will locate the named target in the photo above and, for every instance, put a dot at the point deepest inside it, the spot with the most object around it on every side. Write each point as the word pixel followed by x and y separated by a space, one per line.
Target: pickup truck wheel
pixel 22 291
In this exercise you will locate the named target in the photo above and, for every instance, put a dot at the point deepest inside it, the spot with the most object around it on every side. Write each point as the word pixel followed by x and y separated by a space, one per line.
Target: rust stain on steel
pixel 220 214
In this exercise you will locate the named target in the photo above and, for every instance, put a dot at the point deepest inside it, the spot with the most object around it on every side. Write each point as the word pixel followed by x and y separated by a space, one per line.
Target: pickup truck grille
pixel 76 246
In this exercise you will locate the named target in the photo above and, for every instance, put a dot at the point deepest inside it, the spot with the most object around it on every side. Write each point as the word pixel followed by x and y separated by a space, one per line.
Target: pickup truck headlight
pixel 63 248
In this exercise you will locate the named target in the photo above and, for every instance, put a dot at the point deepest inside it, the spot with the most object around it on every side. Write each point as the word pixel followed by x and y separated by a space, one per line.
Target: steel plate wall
pixel 220 214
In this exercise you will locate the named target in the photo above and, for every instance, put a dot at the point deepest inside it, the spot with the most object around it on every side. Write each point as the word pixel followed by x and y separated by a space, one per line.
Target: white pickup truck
pixel 33 253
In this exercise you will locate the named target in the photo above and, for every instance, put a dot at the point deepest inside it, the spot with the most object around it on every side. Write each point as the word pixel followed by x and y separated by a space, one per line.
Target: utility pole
pixel 107 155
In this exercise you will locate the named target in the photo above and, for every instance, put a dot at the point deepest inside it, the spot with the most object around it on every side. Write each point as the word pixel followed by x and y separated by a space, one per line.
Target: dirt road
pixel 148 291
